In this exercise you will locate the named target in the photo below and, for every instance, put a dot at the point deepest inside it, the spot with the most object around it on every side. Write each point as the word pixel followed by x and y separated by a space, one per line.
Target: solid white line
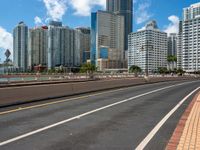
pixel 148 138
pixel 83 115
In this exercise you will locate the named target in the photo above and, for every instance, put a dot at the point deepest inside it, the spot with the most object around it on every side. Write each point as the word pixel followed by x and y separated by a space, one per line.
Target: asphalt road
pixel 112 120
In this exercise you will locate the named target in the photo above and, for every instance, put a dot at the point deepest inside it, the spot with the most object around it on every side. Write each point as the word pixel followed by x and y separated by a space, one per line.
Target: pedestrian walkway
pixel 187 134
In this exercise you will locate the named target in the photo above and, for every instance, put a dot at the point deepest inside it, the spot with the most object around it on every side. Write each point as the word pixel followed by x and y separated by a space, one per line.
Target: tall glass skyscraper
pixel 107 44
pixel 124 8
pixel 20 46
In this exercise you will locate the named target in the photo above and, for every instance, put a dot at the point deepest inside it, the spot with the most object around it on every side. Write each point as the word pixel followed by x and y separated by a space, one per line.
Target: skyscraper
pixel 37 46
pixel 190 38
pixel 148 48
pixel 107 42
pixel 64 46
pixel 123 8
pixel 20 46
pixel 85 43
pixel 111 5
pixel 60 45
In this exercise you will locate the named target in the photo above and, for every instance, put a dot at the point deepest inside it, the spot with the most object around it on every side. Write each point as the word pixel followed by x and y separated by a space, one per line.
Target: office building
pixel 191 38
pixel 37 46
pixel 107 40
pixel 123 8
pixel 20 46
pixel 148 48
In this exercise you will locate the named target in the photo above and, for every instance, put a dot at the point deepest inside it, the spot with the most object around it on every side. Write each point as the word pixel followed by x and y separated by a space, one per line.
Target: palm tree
pixel 180 72
pixel 88 68
pixel 162 70
pixel 135 69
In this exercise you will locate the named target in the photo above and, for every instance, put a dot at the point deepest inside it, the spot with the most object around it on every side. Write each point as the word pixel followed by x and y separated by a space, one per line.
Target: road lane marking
pixel 57 102
pixel 153 132
pixel 83 115
pixel 65 100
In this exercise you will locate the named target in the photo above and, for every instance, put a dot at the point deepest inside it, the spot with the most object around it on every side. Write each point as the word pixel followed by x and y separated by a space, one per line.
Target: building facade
pixel 20 46
pixel 123 8
pixel 37 47
pixel 148 48
pixel 65 46
pixel 172 44
pixel 191 38
pixel 107 37
pixel 179 46
pixel 60 46
pixel 85 43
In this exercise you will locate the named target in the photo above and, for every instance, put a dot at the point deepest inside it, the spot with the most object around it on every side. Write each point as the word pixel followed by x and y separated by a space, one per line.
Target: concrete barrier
pixel 20 95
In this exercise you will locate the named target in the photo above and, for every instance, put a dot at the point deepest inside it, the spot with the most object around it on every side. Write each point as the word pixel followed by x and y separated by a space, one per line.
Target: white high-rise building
pixel 20 46
pixel 37 46
pixel 107 40
pixel 65 46
pixel 148 48
pixel 179 47
pixel 191 38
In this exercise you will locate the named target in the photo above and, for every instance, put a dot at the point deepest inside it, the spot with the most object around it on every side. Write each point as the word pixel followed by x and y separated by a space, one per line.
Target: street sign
pixel 7 53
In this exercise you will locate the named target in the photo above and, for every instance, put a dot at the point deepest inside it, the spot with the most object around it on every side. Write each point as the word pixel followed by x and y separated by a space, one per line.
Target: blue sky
pixel 77 13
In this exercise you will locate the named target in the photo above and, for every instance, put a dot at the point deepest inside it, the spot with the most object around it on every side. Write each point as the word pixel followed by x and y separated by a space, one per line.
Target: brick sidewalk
pixel 187 134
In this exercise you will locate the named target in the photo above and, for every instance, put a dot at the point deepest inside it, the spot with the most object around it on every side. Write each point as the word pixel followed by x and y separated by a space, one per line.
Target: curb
pixel 176 136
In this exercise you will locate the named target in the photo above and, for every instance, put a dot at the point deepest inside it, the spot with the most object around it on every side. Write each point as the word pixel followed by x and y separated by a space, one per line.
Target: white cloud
pixel 55 8
pixel 6 41
pixel 143 28
pixel 173 26
pixel 38 20
pixel 84 7
pixel 142 15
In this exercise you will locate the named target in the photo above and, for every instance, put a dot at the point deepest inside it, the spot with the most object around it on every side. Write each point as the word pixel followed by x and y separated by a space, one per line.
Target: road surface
pixel 143 116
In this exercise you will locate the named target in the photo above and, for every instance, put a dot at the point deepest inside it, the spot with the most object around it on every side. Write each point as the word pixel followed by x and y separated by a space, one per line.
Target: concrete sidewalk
pixel 187 134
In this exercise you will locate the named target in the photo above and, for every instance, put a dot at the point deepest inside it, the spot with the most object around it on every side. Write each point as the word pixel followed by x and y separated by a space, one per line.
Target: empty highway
pixel 138 117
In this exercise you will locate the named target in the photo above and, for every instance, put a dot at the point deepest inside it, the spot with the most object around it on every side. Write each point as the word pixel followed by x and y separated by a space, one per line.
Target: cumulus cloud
pixel 141 29
pixel 38 20
pixel 173 26
pixel 142 15
pixel 55 8
pixel 84 7
pixel 6 41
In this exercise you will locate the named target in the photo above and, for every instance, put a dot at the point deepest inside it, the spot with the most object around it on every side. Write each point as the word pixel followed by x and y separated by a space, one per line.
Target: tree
pixel 135 69
pixel 88 68
pixel 180 72
pixel 171 58
pixel 162 70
